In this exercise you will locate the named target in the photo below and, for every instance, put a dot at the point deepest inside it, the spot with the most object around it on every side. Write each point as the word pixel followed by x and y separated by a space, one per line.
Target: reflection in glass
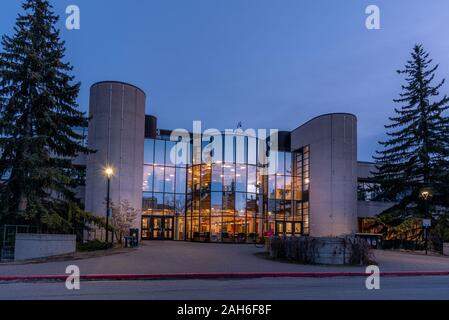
pixel 170 153
pixel 205 177
pixel 181 183
pixel 159 152
pixel 205 204
pixel 169 204
pixel 280 187
pixel 149 151
pixel 169 180
pixel 229 177
pixel 148 178
pixel 180 204
pixel 215 229
pixel 217 177
pixel 216 203
pixel 228 229
pixel 280 163
pixel 240 229
pixel 240 178
pixel 159 178
pixel 251 203
pixel 272 187
pixel 228 203
pixel 240 204
pixel 288 164
pixel 157 204
pixel 252 179
pixel 288 188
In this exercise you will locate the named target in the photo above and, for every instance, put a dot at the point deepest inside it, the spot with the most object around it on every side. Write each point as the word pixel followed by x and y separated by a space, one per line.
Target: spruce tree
pixel 38 114
pixel 416 154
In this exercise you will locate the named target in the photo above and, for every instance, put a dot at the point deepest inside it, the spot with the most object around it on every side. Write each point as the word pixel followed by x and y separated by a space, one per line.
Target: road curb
pixel 211 276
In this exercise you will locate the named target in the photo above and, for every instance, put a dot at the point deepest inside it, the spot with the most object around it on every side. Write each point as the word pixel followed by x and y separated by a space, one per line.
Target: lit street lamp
pixel 108 172
pixel 426 194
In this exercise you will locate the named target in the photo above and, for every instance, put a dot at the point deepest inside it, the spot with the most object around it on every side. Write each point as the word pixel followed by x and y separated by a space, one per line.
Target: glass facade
pixel 222 196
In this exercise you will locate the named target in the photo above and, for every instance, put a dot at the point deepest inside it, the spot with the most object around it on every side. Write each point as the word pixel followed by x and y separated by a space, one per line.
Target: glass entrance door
pixel 168 228
pixel 289 228
pixel 157 228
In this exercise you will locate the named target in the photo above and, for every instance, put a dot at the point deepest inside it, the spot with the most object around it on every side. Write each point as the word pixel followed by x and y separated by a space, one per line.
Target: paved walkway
pixel 184 257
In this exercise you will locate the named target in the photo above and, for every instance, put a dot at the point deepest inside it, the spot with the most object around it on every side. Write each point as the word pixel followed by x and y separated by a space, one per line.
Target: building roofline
pixel 366 162
pixel 324 115
pixel 118 82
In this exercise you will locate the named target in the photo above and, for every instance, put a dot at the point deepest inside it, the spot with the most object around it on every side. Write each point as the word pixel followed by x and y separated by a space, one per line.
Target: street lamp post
pixel 426 194
pixel 109 172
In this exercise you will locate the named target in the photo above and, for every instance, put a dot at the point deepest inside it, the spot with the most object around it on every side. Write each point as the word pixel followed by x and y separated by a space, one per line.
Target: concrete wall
pixel 32 246
pixel 369 209
pixel 333 172
pixel 365 169
pixel 446 248
pixel 116 131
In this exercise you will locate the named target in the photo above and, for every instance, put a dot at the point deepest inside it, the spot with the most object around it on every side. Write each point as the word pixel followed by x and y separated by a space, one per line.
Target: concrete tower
pixel 116 131
pixel 333 172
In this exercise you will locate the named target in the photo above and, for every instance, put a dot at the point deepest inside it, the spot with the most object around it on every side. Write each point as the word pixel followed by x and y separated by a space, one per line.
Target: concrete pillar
pixel 333 172
pixel 116 131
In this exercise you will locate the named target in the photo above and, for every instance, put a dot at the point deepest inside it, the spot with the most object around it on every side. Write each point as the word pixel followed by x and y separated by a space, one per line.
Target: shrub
pixel 307 250
pixel 94 245
pixel 360 251
pixel 297 249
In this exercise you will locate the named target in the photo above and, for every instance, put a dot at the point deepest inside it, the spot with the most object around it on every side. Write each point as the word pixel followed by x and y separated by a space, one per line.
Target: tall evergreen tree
pixel 38 114
pixel 416 155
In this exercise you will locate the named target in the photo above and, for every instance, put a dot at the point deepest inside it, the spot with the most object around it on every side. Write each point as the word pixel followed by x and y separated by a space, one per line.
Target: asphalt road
pixel 181 257
pixel 254 289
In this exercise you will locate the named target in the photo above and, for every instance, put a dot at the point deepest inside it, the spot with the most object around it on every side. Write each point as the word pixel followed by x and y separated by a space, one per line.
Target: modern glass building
pixel 189 191
pixel 222 199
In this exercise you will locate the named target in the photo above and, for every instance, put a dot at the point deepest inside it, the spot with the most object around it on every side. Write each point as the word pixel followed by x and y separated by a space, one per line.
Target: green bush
pixel 94 245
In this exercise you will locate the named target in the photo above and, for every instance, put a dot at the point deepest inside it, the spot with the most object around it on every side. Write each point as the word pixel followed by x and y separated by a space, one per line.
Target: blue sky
pixel 269 64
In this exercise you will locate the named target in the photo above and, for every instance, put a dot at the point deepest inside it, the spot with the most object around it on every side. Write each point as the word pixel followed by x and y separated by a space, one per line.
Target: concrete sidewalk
pixel 185 257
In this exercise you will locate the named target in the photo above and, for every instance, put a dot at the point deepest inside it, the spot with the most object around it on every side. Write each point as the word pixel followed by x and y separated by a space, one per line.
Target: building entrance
pixel 157 228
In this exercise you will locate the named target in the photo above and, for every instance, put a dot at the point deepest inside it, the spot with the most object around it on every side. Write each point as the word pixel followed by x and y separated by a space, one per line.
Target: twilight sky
pixel 269 64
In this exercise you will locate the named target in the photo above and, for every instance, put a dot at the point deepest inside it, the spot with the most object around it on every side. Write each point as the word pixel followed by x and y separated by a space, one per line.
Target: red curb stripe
pixel 236 275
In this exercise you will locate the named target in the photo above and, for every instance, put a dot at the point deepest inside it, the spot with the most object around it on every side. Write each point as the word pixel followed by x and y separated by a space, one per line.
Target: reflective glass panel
pixel 148 178
pixel 149 151
pixel 180 204
pixel 159 178
pixel 217 177
pixel 169 201
pixel 159 152
pixel 228 203
pixel 240 203
pixel 240 178
pixel 288 164
pixel 181 180
pixel 229 177
pixel 252 179
pixel 216 203
pixel 169 180
pixel 170 153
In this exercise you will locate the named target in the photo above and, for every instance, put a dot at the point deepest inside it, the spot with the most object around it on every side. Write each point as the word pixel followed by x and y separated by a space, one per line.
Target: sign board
pixel 109 212
pixel 426 223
